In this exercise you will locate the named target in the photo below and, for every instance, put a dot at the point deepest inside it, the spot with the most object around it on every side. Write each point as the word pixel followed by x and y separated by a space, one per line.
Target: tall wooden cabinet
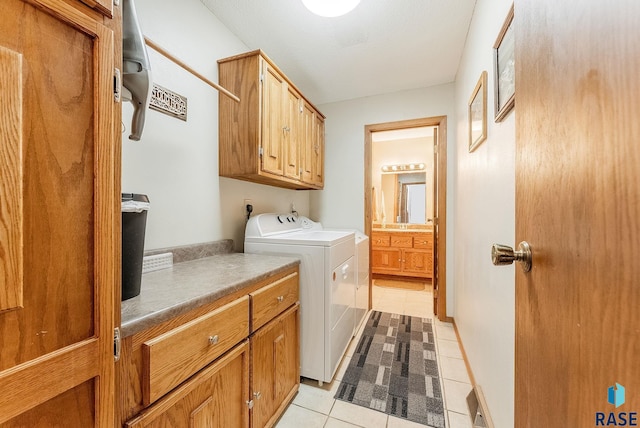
pixel 274 135
pixel 60 212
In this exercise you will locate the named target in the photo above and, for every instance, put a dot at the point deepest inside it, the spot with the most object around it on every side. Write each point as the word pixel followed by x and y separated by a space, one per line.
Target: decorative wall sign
pixel 504 69
pixel 168 102
pixel 478 113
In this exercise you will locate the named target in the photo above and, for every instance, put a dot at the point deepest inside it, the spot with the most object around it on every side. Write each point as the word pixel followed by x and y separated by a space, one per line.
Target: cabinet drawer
pixel 423 241
pixel 172 357
pixel 380 239
pixel 402 241
pixel 271 300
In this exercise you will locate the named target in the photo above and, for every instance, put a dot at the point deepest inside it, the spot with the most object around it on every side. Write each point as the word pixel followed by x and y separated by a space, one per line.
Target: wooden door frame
pixel 441 182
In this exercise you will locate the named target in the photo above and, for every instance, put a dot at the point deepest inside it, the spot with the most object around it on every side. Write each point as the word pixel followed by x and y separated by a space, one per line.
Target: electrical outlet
pixel 244 206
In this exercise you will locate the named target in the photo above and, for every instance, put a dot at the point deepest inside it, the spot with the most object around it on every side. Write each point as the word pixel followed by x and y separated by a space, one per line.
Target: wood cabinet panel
pixel 417 262
pixel 269 301
pixel 386 260
pixel 216 397
pixel 56 344
pixel 103 6
pixel 272 122
pixel 273 135
pixel 292 134
pixel 276 367
pixel 11 227
pixel 171 358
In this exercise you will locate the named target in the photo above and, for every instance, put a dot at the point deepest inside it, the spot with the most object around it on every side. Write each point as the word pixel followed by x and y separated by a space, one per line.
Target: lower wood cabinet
pixel 406 253
pixel 232 363
pixel 276 366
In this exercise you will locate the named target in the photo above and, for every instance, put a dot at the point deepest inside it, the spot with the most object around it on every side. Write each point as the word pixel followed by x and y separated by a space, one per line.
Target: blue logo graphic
pixel 616 395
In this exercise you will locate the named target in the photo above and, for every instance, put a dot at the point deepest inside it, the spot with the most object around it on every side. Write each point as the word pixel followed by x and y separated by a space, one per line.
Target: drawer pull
pixel 280 299
pixel 213 340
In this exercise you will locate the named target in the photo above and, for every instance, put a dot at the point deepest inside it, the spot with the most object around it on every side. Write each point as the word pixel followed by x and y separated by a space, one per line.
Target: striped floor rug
pixel 394 370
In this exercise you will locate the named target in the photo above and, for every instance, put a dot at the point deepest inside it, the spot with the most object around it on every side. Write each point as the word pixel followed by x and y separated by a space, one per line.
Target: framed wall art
pixel 478 113
pixel 504 70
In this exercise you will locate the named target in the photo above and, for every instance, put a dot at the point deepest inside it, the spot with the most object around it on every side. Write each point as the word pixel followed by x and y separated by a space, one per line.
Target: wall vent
pixel 478 409
pixel 157 262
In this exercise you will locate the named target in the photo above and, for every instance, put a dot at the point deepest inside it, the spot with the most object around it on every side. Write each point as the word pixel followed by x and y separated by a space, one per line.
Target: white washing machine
pixel 327 284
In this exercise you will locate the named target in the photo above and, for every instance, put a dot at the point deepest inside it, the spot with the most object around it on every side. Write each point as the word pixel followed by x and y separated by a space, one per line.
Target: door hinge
pixel 116 2
pixel 117 85
pixel 435 294
pixel 435 148
pixel 116 344
pixel 260 151
pixel 261 77
pixel 250 404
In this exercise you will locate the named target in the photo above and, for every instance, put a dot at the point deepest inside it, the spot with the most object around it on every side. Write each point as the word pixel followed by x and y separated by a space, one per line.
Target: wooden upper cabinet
pixel 273 135
pixel 59 222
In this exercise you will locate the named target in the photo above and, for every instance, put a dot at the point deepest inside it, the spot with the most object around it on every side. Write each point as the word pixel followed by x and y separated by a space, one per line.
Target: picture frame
pixel 478 113
pixel 504 69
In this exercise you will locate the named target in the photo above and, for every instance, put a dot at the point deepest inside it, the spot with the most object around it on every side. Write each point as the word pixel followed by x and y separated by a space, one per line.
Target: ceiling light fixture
pixel 330 8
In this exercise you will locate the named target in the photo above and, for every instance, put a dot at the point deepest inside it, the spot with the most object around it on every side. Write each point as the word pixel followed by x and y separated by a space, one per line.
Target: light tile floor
pixel 314 406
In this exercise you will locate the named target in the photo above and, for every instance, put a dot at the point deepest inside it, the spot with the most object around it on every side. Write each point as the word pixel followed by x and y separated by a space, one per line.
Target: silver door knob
pixel 504 255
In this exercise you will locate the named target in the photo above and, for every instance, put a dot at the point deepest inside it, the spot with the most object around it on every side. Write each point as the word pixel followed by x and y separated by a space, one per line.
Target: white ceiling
pixel 382 46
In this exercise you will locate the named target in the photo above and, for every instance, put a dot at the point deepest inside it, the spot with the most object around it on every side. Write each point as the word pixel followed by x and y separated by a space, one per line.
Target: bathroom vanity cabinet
pixel 404 252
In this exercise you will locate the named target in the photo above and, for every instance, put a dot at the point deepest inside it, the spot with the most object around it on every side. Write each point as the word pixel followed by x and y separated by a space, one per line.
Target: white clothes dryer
pixel 327 284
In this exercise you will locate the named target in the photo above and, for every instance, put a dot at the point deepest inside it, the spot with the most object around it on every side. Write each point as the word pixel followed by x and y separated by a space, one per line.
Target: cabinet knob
pixel 213 339
pixel 257 395
pixel 280 299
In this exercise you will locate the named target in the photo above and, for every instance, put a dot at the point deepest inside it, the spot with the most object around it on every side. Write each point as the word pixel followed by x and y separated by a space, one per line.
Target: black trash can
pixel 134 222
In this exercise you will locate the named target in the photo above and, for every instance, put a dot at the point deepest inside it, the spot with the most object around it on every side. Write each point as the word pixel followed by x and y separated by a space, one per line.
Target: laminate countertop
pixel 167 293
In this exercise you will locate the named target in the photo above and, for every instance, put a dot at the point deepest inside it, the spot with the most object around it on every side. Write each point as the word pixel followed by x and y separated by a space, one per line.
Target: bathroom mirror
pixel 404 197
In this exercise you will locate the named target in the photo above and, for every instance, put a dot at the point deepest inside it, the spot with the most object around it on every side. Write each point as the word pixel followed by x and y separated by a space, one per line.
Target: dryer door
pixel 342 309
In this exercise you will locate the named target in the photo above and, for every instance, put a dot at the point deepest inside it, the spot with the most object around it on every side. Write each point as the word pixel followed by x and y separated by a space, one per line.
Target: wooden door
pixel 214 397
pixel 293 122
pixel 307 144
pixel 276 367
pixel 417 263
pixel 578 205
pixel 386 260
pixel 317 154
pixel 272 121
pixel 59 217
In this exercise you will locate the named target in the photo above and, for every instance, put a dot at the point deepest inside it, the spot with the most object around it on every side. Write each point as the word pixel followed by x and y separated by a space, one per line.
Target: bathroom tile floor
pixel 314 406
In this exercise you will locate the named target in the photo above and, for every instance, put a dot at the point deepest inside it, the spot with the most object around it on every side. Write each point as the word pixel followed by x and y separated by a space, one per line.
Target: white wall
pixel 485 214
pixel 176 162
pixel 341 203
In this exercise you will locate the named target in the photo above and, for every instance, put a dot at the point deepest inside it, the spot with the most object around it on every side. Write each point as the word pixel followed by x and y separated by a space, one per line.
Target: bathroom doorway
pixel 405 195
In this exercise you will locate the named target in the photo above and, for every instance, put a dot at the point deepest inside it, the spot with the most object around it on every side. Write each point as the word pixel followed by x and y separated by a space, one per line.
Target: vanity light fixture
pixel 330 8
pixel 403 167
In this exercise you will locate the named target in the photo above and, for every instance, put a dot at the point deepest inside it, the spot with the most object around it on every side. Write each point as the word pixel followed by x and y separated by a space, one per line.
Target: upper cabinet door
pixel 273 128
pixel 59 217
